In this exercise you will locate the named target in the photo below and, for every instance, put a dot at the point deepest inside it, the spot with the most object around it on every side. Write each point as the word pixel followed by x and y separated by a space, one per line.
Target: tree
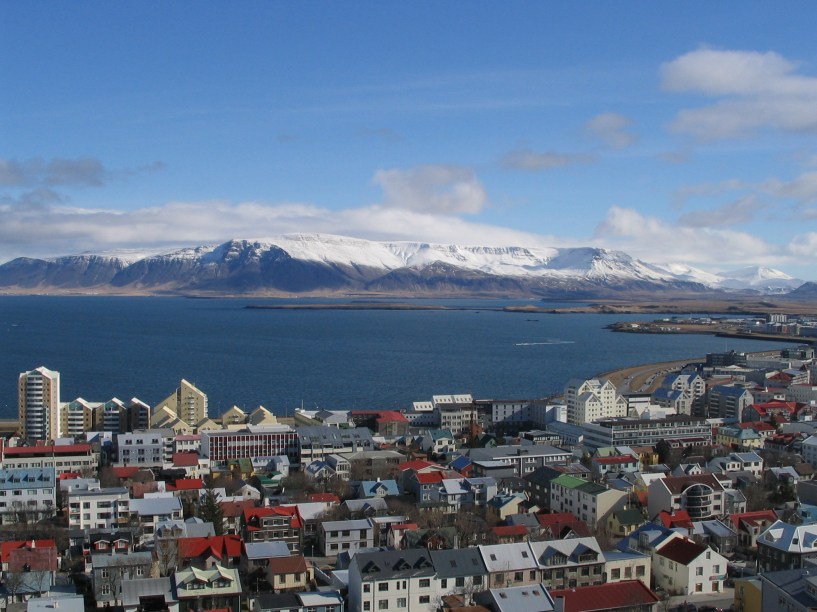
pixel 471 528
pixel 167 555
pixel 210 508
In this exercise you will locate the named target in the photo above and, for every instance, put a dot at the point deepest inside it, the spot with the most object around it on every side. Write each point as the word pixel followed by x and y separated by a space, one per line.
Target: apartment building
pixel 588 501
pixel 646 432
pixel 187 402
pixel 392 580
pixel 99 508
pixel 27 494
pixel 219 446
pixel 38 404
pixel 152 448
pixel 318 442
pixel 591 400
pixel 783 546
pixel 520 460
pixel 335 537
pixel 702 495
pixel 61 457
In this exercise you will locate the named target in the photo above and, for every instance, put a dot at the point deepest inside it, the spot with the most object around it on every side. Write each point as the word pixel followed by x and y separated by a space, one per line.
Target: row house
pixel 392 580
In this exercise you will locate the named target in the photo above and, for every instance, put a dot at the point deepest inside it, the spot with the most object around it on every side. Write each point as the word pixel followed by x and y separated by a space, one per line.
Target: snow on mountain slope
pixel 758 277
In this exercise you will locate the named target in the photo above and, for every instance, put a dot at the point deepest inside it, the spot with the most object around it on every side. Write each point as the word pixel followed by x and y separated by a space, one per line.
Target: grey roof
pixel 105 491
pixel 132 590
pixel 127 559
pixel 334 435
pixel 67 603
pixel 155 505
pixel 534 597
pixel 279 601
pixel 266 550
pixel 392 564
pixel 375 503
pixel 350 524
pixel 528 450
pixel 458 562
pixel 508 557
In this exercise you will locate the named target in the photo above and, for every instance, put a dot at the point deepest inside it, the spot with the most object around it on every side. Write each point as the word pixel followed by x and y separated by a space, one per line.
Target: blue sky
pixel 677 132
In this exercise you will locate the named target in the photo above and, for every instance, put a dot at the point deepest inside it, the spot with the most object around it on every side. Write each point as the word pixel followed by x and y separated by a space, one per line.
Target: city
pixel 696 493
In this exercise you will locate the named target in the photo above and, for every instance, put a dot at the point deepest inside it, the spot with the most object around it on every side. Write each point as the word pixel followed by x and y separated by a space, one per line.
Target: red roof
pixel 391 416
pixel 217 546
pixel 328 498
pixel 416 464
pixel 606 596
pixel 293 564
pixel 751 517
pixel 48 449
pixel 560 522
pixel 404 527
pixel 430 477
pixel 186 484
pixel 7 547
pixel 69 475
pixel 509 530
pixel 236 508
pixel 185 459
pixel 679 518
pixel 291 511
pixel 125 472
pixel 682 550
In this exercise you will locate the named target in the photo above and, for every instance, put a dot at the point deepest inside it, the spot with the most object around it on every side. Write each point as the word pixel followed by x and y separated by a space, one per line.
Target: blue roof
pixel 460 462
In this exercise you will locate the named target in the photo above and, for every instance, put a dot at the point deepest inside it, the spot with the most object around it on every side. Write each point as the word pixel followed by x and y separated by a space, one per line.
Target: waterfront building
pixel 728 401
pixel 187 402
pixel 38 403
pixel 646 432
pixel 591 400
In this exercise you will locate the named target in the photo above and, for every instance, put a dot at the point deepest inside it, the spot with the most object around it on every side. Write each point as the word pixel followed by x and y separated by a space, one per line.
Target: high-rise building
pixel 187 402
pixel 39 404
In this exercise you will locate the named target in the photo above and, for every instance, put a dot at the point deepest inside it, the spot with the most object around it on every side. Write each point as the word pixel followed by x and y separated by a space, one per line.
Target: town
pixel 696 494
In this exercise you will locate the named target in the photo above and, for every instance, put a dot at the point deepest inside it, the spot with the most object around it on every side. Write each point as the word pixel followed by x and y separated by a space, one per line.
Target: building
pixel 27 494
pixel 97 508
pixel 683 567
pixel 38 403
pixel 589 501
pixel 728 401
pixel 218 588
pixel 646 432
pixel 188 403
pixel 783 546
pixel 335 537
pixel 516 460
pixel 62 458
pixel 590 400
pixel 702 495
pixel 320 441
pixel 392 580
pixel 222 445
pixel 152 448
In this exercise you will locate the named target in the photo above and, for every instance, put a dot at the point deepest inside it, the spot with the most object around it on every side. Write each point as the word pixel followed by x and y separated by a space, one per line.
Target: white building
pixel 591 400
pixel 27 494
pixel 107 508
pixel 149 448
pixel 38 403
pixel 392 580
pixel 682 567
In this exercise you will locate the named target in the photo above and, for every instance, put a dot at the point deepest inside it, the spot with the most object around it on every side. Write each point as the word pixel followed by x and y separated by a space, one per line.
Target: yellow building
pixel 748 595
pixel 187 402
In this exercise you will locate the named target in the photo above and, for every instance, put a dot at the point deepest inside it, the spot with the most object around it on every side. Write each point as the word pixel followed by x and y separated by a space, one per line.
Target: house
pixel 29 555
pixel 274 523
pixel 514 598
pixel 27 494
pixel 625 521
pixel 559 525
pixel 749 525
pixel 292 572
pixel 459 570
pixel 626 565
pixel 701 495
pixel 438 441
pixel 510 564
pixel 681 566
pixel 145 593
pixel 392 580
pixel 337 536
pixel 602 466
pixel 507 534
pixel 715 534
pixel 217 588
pixel 99 508
pixel 569 564
pixel 205 553
pixel 256 555
pixel 151 510
pixel 792 590
pixel 110 571
pixel 501 507
pixel 589 501
pixel 323 601
pixel 378 488
pixel 466 493
pixel 784 546
pixel 629 596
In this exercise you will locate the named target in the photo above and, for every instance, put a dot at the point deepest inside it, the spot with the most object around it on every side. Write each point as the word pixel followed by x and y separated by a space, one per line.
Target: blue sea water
pixel 141 347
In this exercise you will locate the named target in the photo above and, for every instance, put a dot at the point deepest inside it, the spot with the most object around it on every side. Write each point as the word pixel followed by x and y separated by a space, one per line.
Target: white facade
pixel 27 492
pixel 703 574
pixel 591 400
pixel 150 448
pixel 99 508
pixel 39 404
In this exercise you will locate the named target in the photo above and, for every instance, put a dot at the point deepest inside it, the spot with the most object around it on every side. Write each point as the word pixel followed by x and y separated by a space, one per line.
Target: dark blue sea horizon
pixel 141 347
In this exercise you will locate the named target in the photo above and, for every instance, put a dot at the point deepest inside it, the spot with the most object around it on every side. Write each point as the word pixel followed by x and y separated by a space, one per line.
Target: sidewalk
pixel 722 600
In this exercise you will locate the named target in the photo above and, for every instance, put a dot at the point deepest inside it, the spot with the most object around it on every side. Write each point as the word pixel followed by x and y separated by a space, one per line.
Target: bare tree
pixel 167 555
pixel 15 583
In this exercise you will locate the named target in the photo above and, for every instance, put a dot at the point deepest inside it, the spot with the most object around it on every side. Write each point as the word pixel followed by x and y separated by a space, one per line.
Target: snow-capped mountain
pixel 760 278
pixel 316 263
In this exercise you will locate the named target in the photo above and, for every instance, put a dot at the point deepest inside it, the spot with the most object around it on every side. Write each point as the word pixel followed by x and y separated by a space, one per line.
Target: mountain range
pixel 319 264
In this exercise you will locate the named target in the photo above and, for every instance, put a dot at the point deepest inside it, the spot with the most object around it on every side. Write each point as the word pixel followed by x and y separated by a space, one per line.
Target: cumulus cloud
pixel 432 188
pixel 612 129
pixel 804 245
pixel 658 241
pixel 752 90
pixel 533 161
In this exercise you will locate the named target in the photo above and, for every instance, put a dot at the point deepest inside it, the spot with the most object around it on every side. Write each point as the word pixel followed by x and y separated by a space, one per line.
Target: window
pixel 699 571
pixel 615 574
pixel 383 587
pixel 366 606
pixel 519 576
pixel 425 583
pixel 424 599
pixel 367 588
pixel 401 602
pixel 383 604
pixel 460 582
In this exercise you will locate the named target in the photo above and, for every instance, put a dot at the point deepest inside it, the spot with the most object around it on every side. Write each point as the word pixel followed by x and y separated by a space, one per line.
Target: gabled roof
pixel 185 459
pixel 458 562
pixel 752 518
pixel 682 550
pixel 293 564
pixel 392 564
pixel 677 518
pixel 215 546
pixel 505 531
pixel 7 547
pixel 290 511
pixel 624 594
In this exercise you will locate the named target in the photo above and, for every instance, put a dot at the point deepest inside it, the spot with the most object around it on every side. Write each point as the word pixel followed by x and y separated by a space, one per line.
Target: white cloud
pixel 63 172
pixel 532 161
pixel 432 188
pixel 804 245
pixel 752 91
pixel 655 240
pixel 738 212
pixel 612 129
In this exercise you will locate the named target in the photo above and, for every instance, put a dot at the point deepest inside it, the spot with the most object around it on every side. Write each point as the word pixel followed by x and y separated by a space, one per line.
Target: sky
pixel 681 132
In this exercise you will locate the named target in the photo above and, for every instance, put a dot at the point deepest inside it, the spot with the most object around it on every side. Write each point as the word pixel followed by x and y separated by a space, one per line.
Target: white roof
pixel 508 557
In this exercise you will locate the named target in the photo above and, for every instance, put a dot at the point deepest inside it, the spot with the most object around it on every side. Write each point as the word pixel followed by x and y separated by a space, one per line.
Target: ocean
pixel 125 347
